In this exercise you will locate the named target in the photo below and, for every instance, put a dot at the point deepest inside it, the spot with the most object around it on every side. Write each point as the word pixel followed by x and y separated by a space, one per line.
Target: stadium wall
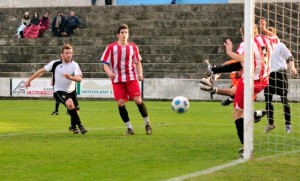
pixel 155 89
pixel 161 2
pixel 68 3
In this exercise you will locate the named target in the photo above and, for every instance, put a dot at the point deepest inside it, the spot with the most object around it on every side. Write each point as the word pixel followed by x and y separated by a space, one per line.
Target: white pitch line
pixel 226 165
pixel 103 128
pixel 55 131
pixel 208 171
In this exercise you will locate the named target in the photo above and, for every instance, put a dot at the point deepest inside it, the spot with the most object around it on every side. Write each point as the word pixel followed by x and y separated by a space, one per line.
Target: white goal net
pixel 278 133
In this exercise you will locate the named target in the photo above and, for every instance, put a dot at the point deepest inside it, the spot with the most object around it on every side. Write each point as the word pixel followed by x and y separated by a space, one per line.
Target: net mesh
pixel 284 17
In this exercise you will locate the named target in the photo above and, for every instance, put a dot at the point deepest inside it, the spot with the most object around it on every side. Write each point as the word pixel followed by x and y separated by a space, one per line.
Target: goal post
pixel 248 78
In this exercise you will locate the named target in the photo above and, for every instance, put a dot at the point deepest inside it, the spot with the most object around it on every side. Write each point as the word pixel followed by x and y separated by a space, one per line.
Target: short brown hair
pixel 66 47
pixel 121 27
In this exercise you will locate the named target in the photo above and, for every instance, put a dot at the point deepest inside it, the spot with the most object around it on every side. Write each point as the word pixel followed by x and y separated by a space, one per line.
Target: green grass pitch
pixel 37 146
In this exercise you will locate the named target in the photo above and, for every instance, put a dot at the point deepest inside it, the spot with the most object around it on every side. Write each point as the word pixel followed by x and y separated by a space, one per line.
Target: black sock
pixel 270 110
pixel 287 114
pixel 124 114
pixel 143 109
pixel 239 123
pixel 56 106
pixel 227 68
pixel 75 120
pixel 286 109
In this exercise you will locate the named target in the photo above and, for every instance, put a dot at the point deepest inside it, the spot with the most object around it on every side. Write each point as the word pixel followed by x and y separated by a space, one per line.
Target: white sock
pixel 128 124
pixel 146 120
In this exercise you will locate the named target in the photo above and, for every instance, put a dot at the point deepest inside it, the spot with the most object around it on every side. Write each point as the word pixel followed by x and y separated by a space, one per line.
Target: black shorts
pixel 64 96
pixel 278 83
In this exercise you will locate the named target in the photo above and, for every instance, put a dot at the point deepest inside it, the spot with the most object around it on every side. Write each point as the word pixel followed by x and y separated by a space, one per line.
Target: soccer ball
pixel 180 104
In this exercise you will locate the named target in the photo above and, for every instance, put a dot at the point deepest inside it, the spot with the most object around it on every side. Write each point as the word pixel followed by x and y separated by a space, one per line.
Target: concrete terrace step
pixel 88 54
pixel 207 31
pixel 32 67
pixel 147 75
pixel 161 68
pixel 173 40
pixel 173 15
pixel 95 58
pixel 112 24
pixel 28 74
pixel 83 50
pixel 104 13
pixel 153 24
pixel 139 40
pixel 133 9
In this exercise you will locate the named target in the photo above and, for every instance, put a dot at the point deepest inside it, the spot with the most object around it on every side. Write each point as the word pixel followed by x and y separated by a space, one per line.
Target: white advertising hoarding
pixel 40 87
pixel 95 88
pixel 153 89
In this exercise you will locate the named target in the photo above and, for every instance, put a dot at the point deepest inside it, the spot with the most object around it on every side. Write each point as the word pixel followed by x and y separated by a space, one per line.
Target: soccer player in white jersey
pixel 121 61
pixel 262 48
pixel 65 73
pixel 278 81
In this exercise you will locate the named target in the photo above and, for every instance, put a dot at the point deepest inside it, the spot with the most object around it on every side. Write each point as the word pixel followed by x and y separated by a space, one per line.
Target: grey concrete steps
pixel 32 67
pixel 139 40
pixel 147 75
pixel 96 67
pixel 207 31
pixel 135 10
pixel 120 13
pixel 152 24
pixel 92 69
pixel 95 58
pixel 174 15
pixel 88 54
pixel 173 40
pixel 28 74
pixel 83 50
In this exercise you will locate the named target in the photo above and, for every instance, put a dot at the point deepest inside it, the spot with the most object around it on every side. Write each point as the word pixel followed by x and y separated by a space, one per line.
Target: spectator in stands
pixel 25 22
pixel 26 19
pixel 71 24
pixel 94 2
pixel 44 24
pixel 57 24
pixel 108 2
pixel 35 19
pixel 32 30
pixel 173 2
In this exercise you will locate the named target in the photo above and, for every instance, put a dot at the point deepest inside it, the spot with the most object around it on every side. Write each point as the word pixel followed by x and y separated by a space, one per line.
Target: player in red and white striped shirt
pixel 262 48
pixel 121 61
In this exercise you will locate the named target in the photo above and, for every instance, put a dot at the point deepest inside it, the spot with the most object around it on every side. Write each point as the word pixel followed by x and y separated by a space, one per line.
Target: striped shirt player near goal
pixel 262 50
pixel 121 62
